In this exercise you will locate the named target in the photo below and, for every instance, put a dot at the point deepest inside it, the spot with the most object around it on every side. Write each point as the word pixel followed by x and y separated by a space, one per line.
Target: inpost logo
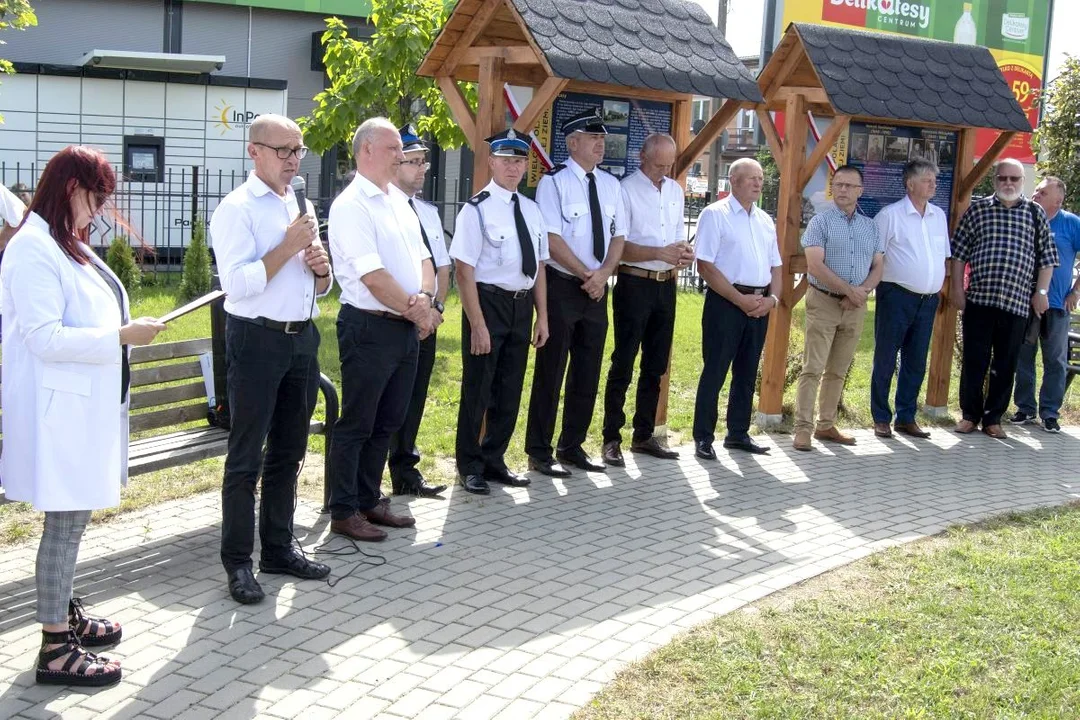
pixel 890 12
pixel 227 118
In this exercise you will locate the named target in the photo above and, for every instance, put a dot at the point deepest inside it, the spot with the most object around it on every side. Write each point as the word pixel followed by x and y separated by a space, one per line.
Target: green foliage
pixel 195 281
pixel 121 260
pixel 770 191
pixel 378 76
pixel 1058 135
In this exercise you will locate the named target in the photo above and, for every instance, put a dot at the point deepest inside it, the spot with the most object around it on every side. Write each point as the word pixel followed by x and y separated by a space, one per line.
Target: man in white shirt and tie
pixel 272 267
pixel 387 288
pixel 739 259
pixel 405 478
pixel 643 302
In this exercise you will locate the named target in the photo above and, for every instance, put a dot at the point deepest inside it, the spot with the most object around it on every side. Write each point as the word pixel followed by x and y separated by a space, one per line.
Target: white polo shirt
pixel 741 245
pixel 916 246
pixel 487 238
pixel 563 197
pixel 374 230
pixel 655 215
pixel 250 222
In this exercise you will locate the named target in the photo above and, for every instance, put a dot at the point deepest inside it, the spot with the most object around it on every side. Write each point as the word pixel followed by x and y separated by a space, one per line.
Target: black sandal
pixel 70 674
pixel 86 629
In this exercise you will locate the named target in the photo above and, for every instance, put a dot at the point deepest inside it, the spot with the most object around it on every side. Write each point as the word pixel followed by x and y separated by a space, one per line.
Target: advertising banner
pixel 1015 31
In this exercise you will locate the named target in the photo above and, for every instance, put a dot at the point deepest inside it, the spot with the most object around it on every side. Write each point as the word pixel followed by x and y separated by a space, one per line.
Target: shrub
pixel 121 260
pixel 195 280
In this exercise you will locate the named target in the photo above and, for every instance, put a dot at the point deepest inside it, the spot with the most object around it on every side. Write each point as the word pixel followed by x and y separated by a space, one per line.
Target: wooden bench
pixel 1072 367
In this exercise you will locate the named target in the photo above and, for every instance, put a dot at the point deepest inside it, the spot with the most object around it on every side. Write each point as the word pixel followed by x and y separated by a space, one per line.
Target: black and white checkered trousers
pixel 57 553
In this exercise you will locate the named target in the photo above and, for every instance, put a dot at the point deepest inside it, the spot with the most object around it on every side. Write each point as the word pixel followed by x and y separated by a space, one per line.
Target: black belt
pixel 751 289
pixel 289 327
pixel 565 275
pixel 838 296
pixel 386 314
pixel 496 290
pixel 924 296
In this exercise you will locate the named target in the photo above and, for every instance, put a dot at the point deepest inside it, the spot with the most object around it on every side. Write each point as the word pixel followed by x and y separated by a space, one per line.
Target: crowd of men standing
pixel 537 274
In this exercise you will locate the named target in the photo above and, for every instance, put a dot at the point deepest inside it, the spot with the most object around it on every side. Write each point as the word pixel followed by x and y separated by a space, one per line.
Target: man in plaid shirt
pixel 1006 241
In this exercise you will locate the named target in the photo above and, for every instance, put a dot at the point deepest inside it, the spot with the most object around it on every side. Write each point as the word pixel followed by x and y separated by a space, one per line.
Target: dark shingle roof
pixel 905 78
pixel 661 44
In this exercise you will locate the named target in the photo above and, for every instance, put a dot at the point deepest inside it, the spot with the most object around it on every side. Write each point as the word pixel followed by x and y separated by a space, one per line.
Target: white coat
pixel 65 429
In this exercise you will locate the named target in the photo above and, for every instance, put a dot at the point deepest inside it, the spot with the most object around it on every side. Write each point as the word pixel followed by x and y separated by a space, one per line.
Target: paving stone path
pixel 519 605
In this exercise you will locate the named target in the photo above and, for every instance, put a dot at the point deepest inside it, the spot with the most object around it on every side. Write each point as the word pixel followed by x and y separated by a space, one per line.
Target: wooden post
pixel 490 117
pixel 788 220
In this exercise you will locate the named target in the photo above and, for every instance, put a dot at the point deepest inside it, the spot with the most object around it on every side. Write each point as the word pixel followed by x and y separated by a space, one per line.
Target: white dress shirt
pixel 487 238
pixel 374 230
pixel 655 215
pixel 741 245
pixel 432 223
pixel 916 246
pixel 12 208
pixel 250 222
pixel 563 196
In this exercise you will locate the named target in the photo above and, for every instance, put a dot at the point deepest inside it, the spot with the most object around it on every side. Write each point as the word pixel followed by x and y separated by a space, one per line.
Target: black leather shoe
pixel 704 450
pixel 652 446
pixel 474 484
pixel 243 587
pixel 548 467
pixel 611 454
pixel 579 459
pixel 505 477
pixel 296 565
pixel 418 487
pixel 746 444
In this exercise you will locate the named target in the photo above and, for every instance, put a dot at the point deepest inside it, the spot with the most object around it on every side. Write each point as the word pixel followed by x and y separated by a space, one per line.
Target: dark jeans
pixel 378 364
pixel 404 455
pixel 1054 339
pixel 730 339
pixel 273 383
pixel 644 313
pixel 992 340
pixel 492 383
pixel 578 326
pixel 903 324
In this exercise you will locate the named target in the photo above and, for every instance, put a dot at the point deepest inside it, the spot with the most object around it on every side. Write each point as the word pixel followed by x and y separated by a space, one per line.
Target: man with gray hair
pixel 387 288
pixel 643 302
pixel 914 234
pixel 1005 241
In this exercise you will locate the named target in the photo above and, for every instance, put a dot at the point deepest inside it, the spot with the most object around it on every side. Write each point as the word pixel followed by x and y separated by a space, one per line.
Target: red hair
pixel 88 169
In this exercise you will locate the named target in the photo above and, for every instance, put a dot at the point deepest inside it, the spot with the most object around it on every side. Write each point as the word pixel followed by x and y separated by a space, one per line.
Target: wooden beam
pixel 476 26
pixel 795 56
pixel 511 55
pixel 520 21
pixel 541 99
pixel 638 93
pixel 707 135
pixel 459 106
pixel 970 177
pixel 839 125
pixel 489 119
pixel 815 95
pixel 772 135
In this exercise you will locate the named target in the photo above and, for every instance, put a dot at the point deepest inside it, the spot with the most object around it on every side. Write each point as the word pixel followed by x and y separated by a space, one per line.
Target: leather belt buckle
pixel 518 294
pixel 290 324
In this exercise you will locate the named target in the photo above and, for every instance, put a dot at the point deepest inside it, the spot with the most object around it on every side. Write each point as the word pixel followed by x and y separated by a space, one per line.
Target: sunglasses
pixel 1010 178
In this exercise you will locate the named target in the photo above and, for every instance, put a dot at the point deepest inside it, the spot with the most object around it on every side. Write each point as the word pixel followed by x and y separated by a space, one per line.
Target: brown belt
pixel 658 275
pixel 830 293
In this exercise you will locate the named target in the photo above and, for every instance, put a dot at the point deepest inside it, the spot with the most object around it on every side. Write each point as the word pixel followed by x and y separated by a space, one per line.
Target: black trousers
pixel 404 454
pixel 644 313
pixel 492 383
pixel 578 326
pixel 378 365
pixel 273 384
pixel 992 340
pixel 730 339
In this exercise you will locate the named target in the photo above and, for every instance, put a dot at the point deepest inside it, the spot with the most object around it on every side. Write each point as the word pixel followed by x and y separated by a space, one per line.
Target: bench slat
pixel 164 418
pixel 169 395
pixel 166 373
pixel 170 350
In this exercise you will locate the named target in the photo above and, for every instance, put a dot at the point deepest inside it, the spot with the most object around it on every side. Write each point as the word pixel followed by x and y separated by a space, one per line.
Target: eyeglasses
pixel 845 186
pixel 416 163
pixel 1010 178
pixel 284 152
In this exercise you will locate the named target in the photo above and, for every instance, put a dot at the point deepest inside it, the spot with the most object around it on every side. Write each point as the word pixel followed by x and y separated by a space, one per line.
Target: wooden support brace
pixel 707 135
pixel 464 43
pixel 541 99
pixel 772 135
pixel 459 106
pixel 490 114
pixel 839 125
pixel 971 177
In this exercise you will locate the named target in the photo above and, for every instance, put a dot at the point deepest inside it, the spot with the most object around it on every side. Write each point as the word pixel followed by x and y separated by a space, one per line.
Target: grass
pixel 436 440
pixel 979 622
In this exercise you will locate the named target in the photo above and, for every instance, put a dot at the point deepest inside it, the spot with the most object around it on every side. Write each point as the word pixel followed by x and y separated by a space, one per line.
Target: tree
pixel 195 279
pixel 1058 135
pixel 121 260
pixel 378 76
pixel 17 15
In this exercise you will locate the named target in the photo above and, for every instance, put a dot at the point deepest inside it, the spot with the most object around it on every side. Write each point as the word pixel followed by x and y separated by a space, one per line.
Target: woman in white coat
pixel 65 385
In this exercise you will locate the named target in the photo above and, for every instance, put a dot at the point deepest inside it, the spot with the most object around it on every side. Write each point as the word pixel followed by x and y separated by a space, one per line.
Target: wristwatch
pixel 776 300
pixel 429 296
pixel 1042 292
pixel 440 306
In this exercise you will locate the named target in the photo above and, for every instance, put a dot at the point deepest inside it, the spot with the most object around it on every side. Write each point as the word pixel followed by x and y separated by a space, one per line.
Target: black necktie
pixel 528 256
pixel 597 219
pixel 423 233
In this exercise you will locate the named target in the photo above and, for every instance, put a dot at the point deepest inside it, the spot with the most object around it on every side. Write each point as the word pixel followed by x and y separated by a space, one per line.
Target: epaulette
pixel 556 168
pixel 479 197
pixel 606 171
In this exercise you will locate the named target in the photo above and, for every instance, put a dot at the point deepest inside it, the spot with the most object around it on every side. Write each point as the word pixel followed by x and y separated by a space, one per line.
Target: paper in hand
pixel 193 305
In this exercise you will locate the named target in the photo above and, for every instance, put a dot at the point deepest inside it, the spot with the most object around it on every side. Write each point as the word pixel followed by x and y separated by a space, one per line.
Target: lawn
pixel 980 622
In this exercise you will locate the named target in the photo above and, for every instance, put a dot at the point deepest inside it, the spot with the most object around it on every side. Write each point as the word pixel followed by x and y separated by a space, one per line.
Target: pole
pixel 716 163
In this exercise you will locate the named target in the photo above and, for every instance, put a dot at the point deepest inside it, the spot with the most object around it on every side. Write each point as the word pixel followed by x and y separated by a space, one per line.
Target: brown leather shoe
pixel 611 454
pixel 882 430
pixel 912 429
pixel 801 441
pixel 834 435
pixel 357 528
pixel 964 427
pixel 996 432
pixel 381 515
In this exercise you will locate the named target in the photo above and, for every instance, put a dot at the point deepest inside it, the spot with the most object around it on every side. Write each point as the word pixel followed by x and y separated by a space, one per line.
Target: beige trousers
pixel 832 335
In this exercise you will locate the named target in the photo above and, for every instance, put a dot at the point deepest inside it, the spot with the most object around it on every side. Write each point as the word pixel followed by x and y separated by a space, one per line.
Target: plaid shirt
pixel 1004 248
pixel 850 245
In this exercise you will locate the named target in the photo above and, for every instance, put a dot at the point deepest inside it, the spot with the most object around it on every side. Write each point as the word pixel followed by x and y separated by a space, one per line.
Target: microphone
pixel 299 186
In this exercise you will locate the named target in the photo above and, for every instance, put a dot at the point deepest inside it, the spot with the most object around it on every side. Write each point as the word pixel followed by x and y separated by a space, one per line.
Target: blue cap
pixel 508 144
pixel 410 141
pixel 590 121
